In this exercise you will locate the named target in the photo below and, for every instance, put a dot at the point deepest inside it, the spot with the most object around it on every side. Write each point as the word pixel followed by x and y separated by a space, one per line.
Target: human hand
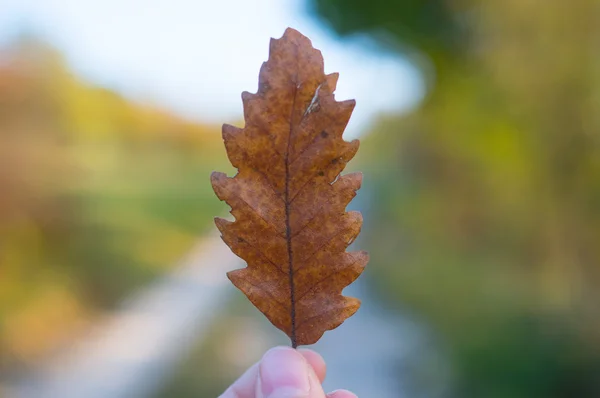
pixel 284 373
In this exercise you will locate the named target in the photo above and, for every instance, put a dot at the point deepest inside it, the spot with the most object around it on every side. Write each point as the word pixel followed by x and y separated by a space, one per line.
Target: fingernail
pixel 284 374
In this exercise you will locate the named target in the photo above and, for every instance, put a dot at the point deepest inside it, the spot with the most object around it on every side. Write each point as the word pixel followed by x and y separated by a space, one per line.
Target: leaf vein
pixel 269 223
pixel 266 258
pixel 324 279
pixel 319 249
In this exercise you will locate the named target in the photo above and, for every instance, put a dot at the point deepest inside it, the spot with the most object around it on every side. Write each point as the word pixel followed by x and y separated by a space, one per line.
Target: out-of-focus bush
pixel 97 196
pixel 486 202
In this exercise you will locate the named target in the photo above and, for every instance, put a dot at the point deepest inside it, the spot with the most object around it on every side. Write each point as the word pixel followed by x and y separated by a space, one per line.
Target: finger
pixel 285 373
pixel 316 361
pixel 316 389
pixel 245 386
pixel 341 394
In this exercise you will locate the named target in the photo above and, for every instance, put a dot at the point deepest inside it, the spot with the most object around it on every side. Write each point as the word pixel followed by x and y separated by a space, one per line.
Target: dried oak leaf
pixel 288 197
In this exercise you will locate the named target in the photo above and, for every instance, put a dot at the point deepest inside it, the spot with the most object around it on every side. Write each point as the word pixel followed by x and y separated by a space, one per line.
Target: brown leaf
pixel 288 198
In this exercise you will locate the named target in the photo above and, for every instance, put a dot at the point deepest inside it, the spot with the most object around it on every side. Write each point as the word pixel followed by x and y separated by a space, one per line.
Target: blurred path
pixel 131 353
pixel 364 353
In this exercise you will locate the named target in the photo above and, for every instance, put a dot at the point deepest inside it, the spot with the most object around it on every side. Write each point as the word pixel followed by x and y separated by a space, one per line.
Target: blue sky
pixel 195 57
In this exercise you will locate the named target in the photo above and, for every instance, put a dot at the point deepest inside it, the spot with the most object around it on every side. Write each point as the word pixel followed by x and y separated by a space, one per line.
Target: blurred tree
pixel 428 25
pixel 489 193
pixel 97 196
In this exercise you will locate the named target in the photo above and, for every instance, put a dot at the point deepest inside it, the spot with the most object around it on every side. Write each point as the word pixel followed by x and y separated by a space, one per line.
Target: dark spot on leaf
pixel 321 173
pixel 334 161
pixel 324 134
pixel 263 87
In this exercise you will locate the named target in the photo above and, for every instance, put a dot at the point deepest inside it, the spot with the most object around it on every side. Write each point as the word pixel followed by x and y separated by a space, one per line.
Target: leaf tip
pixel 348 104
pixel 217 176
pixel 216 180
pixel 221 223
pixel 291 32
pixel 354 180
pixel 332 80
pixel 247 96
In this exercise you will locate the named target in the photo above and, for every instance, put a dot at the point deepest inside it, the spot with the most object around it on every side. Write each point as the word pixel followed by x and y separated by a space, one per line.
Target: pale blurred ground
pixel 131 353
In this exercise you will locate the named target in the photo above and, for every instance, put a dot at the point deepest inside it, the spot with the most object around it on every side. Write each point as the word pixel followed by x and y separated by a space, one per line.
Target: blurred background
pixel 480 130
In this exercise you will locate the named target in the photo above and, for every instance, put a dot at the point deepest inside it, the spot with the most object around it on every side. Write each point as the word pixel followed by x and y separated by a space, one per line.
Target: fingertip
pixel 316 361
pixel 244 386
pixel 341 394
pixel 282 372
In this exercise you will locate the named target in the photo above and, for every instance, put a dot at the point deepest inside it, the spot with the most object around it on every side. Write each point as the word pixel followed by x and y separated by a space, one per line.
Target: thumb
pixel 284 373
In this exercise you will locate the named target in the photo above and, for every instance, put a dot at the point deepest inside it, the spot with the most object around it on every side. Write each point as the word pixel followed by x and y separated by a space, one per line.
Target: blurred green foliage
pixel 486 199
pixel 98 196
pixel 428 25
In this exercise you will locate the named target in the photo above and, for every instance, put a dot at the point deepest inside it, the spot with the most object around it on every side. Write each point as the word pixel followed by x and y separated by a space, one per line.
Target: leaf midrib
pixel 288 228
